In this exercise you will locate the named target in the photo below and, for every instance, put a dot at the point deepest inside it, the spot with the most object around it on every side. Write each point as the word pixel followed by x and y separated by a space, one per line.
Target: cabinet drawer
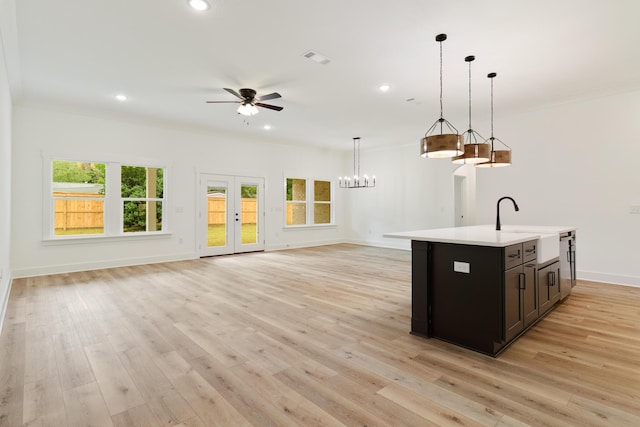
pixel 530 251
pixel 512 256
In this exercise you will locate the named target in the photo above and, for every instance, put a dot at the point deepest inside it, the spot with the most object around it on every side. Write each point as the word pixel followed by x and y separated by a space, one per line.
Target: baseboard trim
pixel 5 301
pixel 615 279
pixel 300 245
pixel 124 262
pixel 388 244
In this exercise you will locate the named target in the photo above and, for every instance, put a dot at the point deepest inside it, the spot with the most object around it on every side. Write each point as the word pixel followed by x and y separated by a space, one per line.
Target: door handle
pixel 515 254
pixel 551 280
pixel 522 281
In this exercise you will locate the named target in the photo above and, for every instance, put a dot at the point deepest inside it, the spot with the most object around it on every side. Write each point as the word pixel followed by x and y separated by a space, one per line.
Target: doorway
pixel 464 195
pixel 231 214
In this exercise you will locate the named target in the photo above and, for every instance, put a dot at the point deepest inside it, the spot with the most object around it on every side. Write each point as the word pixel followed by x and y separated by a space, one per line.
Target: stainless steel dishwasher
pixel 567 263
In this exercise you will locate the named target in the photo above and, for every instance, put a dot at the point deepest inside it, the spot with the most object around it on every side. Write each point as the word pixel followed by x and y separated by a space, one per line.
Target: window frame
pixel 147 199
pixel 309 202
pixel 113 200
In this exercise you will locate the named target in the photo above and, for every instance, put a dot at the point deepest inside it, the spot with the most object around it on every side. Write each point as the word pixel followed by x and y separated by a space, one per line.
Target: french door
pixel 230 215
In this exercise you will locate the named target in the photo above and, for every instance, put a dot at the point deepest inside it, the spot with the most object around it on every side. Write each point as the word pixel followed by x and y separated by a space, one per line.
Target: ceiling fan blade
pixel 234 93
pixel 223 102
pixel 273 95
pixel 269 106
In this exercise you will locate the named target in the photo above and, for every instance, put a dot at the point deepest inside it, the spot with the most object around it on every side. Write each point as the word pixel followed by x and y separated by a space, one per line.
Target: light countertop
pixel 483 235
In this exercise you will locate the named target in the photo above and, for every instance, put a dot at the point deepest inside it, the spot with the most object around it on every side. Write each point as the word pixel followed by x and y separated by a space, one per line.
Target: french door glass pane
pixel 216 216
pixel 249 206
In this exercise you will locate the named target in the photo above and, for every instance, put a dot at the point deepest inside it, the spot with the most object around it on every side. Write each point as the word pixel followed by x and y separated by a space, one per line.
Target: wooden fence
pixel 217 210
pixel 77 214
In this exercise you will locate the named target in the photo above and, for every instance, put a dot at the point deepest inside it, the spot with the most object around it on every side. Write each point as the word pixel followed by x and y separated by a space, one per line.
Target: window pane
pixel 83 216
pixel 249 201
pixel 296 213
pixel 142 216
pixel 322 191
pixel 321 213
pixel 78 189
pixel 133 182
pixel 217 216
pixel 296 189
pixel 78 179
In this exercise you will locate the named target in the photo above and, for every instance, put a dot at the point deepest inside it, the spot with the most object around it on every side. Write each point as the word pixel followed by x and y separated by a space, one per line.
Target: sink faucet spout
pixel 515 205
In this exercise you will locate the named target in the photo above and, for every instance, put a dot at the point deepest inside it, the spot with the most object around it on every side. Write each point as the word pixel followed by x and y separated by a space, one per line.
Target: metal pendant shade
pixel 436 143
pixel 476 150
pixel 498 158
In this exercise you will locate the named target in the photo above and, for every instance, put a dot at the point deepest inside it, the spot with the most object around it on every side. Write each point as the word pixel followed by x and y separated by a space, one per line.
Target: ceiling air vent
pixel 315 56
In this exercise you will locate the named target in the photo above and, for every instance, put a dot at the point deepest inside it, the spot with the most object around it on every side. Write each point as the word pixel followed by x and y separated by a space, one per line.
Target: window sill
pixel 98 239
pixel 306 227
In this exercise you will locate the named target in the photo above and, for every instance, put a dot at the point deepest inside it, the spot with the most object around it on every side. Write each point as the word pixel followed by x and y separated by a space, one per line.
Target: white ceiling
pixel 170 59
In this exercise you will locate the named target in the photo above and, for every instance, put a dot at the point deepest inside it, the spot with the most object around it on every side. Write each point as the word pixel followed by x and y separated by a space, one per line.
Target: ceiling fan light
pixel 248 110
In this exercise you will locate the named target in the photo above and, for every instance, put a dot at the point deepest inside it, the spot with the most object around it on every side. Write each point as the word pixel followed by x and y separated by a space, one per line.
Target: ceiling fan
pixel 250 101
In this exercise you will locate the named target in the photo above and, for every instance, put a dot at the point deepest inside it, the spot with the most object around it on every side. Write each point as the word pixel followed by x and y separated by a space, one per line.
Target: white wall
pixel 411 193
pixel 575 164
pixel 5 181
pixel 39 130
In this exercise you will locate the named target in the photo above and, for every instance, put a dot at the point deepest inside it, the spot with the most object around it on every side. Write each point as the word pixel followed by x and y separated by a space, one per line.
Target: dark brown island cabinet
pixel 482 296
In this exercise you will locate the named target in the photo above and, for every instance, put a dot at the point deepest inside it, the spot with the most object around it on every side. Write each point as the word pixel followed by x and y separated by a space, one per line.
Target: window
pixel 296 201
pixel 78 191
pixel 322 202
pixel 104 199
pixel 308 204
pixel 142 190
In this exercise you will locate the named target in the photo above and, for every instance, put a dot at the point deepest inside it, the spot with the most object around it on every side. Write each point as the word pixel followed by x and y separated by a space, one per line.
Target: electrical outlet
pixel 634 209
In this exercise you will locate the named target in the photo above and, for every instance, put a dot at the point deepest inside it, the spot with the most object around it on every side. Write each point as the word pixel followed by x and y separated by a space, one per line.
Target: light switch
pixel 461 267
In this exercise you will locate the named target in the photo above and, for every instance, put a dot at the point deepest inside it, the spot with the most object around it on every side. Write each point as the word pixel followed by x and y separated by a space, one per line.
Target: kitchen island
pixel 481 288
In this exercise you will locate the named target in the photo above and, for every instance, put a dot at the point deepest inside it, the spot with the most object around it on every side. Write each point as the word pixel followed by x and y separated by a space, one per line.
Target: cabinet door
pixel 513 313
pixel 548 287
pixel 530 295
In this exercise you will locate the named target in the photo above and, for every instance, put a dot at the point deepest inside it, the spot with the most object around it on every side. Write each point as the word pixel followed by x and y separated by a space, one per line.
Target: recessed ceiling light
pixel 384 88
pixel 267 127
pixel 121 97
pixel 199 5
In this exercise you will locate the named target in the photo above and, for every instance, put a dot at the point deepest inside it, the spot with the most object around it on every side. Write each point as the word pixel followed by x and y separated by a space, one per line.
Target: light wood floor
pixel 303 337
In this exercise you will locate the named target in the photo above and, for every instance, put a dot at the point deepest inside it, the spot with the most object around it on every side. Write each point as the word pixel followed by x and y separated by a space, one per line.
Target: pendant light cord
pixel 469 59
pixel 491 109
pixel 356 157
pixel 441 108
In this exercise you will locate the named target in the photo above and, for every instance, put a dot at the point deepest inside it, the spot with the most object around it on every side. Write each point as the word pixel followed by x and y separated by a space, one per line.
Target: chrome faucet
pixel 515 205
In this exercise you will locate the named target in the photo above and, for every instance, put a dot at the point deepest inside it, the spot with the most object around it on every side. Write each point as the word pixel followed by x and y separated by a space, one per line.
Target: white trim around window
pixel 111 226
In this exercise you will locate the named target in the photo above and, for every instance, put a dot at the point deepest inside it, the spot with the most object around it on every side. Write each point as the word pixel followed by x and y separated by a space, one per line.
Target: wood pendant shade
pixel 499 158
pixel 441 146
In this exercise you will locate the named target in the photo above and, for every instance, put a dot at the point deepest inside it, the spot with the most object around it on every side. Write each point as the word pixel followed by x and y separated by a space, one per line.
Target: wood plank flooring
pixel 304 337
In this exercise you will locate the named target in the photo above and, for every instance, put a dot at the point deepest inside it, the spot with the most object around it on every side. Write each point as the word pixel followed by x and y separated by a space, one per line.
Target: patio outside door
pixel 231 214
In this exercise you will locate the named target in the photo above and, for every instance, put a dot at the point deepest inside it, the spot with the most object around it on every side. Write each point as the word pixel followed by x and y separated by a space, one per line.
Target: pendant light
pixel 441 145
pixel 356 181
pixel 497 158
pixel 475 148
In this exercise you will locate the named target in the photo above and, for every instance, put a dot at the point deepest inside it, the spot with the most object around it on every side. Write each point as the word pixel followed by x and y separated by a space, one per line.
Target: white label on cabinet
pixel 461 267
